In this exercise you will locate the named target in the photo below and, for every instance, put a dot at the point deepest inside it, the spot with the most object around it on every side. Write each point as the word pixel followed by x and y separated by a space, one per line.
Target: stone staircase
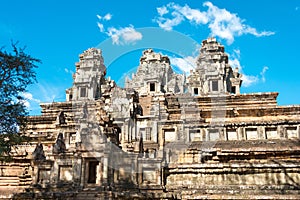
pixel 92 194
pixel 9 181
pixel 239 192
pixel 273 192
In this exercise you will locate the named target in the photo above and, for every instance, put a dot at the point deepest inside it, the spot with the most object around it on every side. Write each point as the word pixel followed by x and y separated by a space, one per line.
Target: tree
pixel 17 71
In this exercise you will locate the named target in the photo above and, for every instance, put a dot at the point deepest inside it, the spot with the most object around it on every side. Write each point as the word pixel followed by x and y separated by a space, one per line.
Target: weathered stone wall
pixel 153 141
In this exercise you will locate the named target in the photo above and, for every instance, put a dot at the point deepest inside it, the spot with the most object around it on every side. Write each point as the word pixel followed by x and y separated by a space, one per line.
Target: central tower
pixel 213 75
pixel 155 75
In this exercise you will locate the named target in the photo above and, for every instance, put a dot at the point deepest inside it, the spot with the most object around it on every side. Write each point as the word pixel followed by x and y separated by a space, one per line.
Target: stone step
pixel 9 181
pixel 8 178
pixel 8 184
pixel 6 181
pixel 226 196
pixel 93 195
pixel 244 190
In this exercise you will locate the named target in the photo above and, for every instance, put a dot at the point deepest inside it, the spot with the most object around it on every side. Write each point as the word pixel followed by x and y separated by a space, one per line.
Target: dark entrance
pixel 152 87
pixel 92 171
pixel 215 86
pixel 196 92
pixel 233 90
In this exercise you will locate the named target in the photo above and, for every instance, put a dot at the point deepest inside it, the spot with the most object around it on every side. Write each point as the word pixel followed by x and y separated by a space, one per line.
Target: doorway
pixel 92 171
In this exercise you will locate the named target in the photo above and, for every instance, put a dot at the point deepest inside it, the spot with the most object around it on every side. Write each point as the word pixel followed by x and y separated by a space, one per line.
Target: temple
pixel 163 136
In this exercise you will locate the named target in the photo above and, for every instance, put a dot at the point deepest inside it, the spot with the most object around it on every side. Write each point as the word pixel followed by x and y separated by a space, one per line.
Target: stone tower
pixel 155 75
pixel 213 74
pixel 90 72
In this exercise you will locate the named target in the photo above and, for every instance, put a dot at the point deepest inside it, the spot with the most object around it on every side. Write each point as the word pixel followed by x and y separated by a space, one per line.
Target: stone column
pixel 134 169
pixel 203 134
pixel 154 131
pixel 77 165
pixel 222 132
pixel 261 132
pixel 83 170
pixel 35 174
pixel 54 175
pixel 125 131
pixel 187 130
pixel 105 170
pixel 240 132
pixel 161 137
pixel 98 173
pixel 281 132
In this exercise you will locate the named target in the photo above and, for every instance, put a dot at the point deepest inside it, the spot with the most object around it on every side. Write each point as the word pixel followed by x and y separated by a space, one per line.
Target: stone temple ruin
pixel 163 136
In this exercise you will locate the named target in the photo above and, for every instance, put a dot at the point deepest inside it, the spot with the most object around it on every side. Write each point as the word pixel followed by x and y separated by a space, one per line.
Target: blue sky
pixel 261 38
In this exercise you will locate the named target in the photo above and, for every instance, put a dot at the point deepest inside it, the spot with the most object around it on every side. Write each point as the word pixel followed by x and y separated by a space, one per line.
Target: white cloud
pixel 124 35
pixel 227 25
pixel 248 80
pixel 69 71
pixel 49 93
pixel 221 22
pixel 107 17
pixel 237 52
pixel 120 36
pixel 234 59
pixel 100 26
pixel 27 98
pixel 254 32
pixel 193 15
pixel 162 10
pixel 263 72
pixel 185 64
pixel 178 15
pixel 168 24
pixel 25 103
pixel 235 63
pixel 27 95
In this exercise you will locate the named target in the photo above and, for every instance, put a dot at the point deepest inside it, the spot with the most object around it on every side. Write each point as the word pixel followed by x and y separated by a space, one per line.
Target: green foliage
pixel 17 71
